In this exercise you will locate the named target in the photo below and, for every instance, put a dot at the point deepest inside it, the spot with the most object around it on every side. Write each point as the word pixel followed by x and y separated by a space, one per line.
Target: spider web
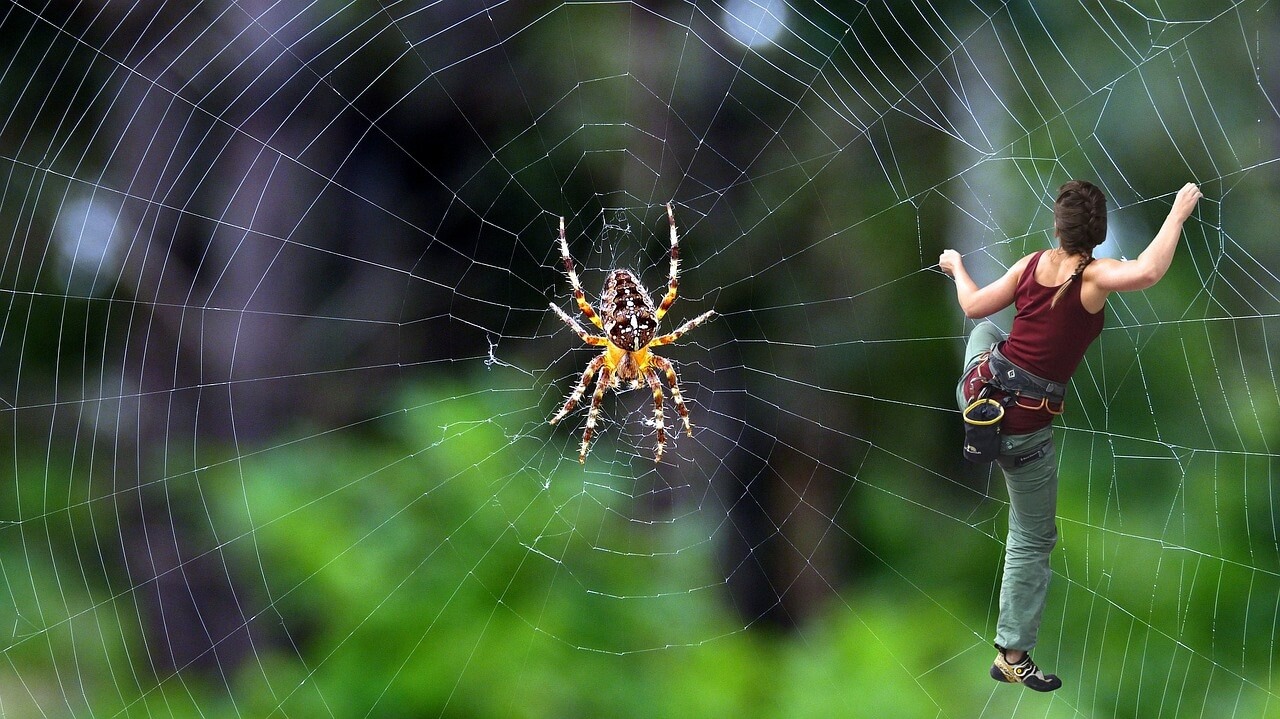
pixel 278 362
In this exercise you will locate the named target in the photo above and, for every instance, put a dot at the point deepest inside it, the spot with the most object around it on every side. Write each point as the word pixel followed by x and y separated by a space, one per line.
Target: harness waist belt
pixel 1009 377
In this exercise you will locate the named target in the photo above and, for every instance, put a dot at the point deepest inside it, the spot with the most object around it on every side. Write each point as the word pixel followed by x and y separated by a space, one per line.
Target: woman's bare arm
pixel 978 302
pixel 1108 275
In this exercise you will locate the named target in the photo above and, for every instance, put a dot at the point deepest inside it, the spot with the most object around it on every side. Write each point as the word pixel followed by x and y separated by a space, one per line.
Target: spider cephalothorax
pixel 630 323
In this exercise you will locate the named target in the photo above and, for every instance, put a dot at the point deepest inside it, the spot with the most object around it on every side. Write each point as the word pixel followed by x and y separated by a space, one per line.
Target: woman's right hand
pixel 1186 201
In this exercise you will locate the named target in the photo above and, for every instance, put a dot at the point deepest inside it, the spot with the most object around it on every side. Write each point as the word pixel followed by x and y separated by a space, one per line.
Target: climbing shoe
pixel 1024 672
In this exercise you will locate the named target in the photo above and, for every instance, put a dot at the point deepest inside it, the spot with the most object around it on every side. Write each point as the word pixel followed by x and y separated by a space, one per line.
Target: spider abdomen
pixel 627 312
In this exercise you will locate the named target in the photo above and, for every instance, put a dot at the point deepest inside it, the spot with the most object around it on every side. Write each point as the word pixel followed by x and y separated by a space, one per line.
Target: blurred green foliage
pixel 427 570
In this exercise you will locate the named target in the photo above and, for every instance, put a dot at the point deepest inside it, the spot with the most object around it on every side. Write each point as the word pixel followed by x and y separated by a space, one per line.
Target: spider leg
pixel 674 276
pixel 665 365
pixel 578 295
pixel 675 335
pixel 602 383
pixel 593 340
pixel 658 419
pixel 592 366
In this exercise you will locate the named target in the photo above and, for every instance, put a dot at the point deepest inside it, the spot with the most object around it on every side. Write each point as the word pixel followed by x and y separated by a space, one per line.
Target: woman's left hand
pixel 949 261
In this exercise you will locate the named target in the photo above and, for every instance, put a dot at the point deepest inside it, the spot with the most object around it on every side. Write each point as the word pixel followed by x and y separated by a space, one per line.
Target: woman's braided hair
pixel 1080 221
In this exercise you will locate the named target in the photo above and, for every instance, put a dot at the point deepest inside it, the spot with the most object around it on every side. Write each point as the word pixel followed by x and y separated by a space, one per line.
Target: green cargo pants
pixel 1033 506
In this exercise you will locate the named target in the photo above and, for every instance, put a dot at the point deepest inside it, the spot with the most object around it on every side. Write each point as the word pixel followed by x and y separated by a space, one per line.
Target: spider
pixel 630 322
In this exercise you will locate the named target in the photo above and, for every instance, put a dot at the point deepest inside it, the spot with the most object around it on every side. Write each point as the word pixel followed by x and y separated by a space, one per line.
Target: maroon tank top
pixel 1046 341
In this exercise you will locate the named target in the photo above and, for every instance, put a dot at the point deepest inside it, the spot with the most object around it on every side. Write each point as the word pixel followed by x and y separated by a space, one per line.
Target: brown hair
pixel 1080 223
